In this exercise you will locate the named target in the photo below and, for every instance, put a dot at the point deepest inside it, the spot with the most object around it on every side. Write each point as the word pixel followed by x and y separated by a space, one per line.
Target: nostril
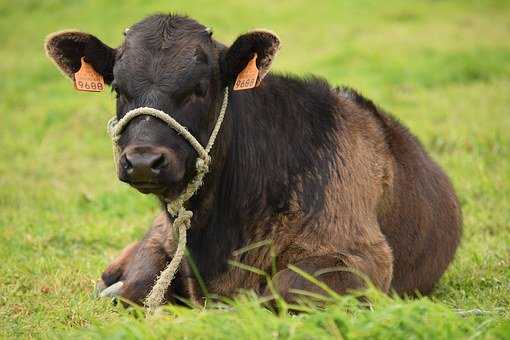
pixel 126 163
pixel 158 163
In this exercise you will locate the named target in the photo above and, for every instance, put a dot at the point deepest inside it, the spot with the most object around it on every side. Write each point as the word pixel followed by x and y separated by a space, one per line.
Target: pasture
pixel 441 67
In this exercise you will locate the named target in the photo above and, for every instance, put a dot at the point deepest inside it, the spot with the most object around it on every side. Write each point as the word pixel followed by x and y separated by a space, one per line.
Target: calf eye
pixel 200 90
pixel 115 90
pixel 118 93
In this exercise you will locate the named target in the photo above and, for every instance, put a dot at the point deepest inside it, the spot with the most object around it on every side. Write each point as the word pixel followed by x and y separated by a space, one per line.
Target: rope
pixel 157 294
pixel 182 220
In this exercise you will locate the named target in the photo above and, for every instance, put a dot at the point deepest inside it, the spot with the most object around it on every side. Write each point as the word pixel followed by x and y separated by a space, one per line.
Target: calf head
pixel 171 63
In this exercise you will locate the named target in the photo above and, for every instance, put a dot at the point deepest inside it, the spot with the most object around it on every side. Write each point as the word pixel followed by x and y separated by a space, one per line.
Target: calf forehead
pixel 160 31
pixel 162 50
pixel 162 67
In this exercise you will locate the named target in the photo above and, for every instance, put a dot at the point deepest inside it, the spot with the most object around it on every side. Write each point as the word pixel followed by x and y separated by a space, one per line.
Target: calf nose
pixel 142 164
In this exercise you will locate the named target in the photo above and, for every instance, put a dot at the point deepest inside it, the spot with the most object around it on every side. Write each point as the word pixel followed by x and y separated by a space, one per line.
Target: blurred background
pixel 441 67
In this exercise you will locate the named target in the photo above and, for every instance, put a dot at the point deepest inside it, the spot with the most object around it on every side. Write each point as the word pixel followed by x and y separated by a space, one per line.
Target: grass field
pixel 442 67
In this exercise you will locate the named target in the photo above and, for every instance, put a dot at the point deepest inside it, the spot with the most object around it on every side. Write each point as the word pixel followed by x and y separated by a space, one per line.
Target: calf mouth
pixel 160 190
pixel 150 188
pixel 151 170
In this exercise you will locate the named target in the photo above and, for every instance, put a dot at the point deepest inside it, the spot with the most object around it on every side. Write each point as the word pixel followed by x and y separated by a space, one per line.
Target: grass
pixel 442 67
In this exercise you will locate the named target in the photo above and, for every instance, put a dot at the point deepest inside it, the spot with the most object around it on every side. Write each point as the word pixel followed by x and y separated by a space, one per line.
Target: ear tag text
pixel 87 79
pixel 247 78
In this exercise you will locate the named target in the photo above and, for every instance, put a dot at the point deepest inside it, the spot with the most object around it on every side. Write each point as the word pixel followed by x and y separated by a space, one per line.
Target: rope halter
pixel 182 217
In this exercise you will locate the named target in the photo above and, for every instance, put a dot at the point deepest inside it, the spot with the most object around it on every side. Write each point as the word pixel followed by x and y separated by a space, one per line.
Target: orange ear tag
pixel 247 78
pixel 87 79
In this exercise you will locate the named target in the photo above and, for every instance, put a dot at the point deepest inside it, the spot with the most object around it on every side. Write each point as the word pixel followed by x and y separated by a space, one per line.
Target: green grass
pixel 442 67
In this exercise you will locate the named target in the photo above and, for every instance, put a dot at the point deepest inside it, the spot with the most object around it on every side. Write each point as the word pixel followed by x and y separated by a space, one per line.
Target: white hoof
pixel 112 291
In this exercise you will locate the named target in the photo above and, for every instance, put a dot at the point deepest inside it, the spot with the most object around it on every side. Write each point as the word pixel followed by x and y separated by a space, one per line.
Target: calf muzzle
pixel 144 167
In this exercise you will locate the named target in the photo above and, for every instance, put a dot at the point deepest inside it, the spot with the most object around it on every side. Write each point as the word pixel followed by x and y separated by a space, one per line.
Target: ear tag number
pixel 247 78
pixel 87 79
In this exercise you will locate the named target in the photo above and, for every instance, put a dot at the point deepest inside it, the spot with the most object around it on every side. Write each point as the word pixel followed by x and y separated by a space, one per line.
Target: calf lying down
pixel 312 176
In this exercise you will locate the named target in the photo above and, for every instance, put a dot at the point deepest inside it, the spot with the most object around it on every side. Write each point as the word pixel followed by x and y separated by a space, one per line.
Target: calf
pixel 319 176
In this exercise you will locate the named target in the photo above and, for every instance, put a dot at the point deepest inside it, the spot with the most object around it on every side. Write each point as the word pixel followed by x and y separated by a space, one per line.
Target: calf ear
pixel 66 49
pixel 264 43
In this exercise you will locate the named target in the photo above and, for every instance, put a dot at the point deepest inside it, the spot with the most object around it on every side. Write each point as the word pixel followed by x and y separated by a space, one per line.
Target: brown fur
pixel 360 227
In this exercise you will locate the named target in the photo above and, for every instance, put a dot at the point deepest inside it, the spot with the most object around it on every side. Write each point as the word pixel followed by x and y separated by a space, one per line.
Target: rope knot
pixel 183 217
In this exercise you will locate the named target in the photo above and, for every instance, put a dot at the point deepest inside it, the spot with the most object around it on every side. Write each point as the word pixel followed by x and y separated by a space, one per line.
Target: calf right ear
pixel 66 48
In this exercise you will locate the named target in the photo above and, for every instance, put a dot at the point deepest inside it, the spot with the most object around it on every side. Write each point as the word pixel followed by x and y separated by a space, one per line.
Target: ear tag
pixel 247 78
pixel 87 79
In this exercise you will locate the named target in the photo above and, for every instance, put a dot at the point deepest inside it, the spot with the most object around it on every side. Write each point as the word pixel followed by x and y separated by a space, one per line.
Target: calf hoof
pixel 112 291
pixel 127 292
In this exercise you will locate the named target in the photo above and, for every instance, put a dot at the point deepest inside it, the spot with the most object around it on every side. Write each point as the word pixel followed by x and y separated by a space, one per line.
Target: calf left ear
pixel 264 43
pixel 66 49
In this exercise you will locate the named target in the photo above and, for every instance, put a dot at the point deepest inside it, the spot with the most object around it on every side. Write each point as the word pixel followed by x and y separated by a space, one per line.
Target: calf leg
pixel 139 264
pixel 117 267
pixel 339 271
